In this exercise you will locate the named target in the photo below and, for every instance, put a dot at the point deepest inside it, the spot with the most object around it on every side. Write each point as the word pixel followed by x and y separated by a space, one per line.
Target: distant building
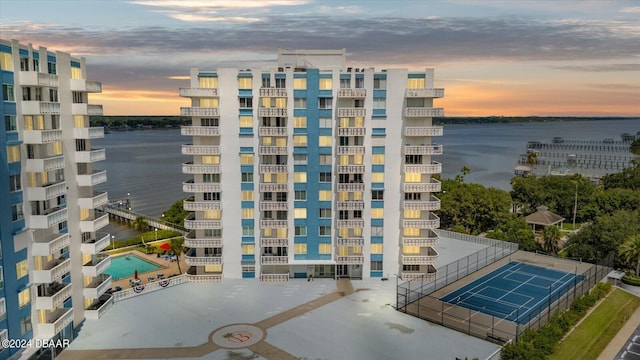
pixel 311 168
pixel 50 271
pixel 543 217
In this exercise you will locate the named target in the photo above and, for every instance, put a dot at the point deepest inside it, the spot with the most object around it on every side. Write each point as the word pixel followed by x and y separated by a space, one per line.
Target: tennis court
pixel 515 291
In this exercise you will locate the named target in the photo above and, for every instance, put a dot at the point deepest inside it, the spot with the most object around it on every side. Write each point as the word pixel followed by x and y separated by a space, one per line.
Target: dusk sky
pixel 575 58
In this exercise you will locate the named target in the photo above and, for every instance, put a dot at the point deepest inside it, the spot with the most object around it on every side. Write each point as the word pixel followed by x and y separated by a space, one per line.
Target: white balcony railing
pixel 49 245
pixel 191 223
pixel 97 265
pixel 191 241
pixel 53 297
pixel 351 187
pixel 425 93
pixel 272 112
pixel 429 205
pixel 47 220
pixel 189 149
pixel 433 168
pixel 198 111
pixel 91 156
pixel 93 179
pixel 272 150
pixel 191 205
pixel 94 246
pixel 97 287
pixel 432 223
pixel 418 276
pixel 104 305
pixel 350 169
pixel 277 242
pixel 274 205
pixel 352 93
pixel 88 133
pixel 272 131
pixel 46 192
pixel 92 225
pixel 352 112
pixel 85 85
pixel 95 202
pixel 433 149
pixel 274 224
pixel 274 277
pixel 52 271
pixel 433 186
pixel 351 150
pixel 419 260
pixel 422 241
pixel 274 260
pixel 191 187
pixel 50 163
pixel 350 205
pixel 351 131
pixel 41 136
pixel 202 260
pixel 423 112
pixel 273 169
pixel 350 224
pixel 204 278
pixel 353 259
pixel 423 131
pixel 40 107
pixel 191 168
pixel 273 92
pixel 200 131
pixel 55 323
pixel 273 187
pixel 199 92
pixel 350 242
pixel 34 78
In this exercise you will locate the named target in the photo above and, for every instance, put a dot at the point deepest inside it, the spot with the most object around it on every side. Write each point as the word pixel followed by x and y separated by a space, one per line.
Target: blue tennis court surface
pixel 516 291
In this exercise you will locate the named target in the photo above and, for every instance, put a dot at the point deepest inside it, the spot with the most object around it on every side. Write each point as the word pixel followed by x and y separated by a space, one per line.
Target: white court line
pixel 487 280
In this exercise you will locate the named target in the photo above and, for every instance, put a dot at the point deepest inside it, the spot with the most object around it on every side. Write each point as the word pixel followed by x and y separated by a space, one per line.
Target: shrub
pixel 631 279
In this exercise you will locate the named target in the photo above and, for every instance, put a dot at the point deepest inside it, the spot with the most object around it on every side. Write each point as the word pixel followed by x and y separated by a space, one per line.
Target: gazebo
pixel 543 217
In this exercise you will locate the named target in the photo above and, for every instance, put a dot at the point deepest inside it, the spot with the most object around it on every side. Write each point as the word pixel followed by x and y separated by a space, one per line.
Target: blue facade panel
pixel 246 186
pixel 248 275
pixel 379 93
pixel 377 222
pixel 247 204
pixel 377 239
pixel 376 274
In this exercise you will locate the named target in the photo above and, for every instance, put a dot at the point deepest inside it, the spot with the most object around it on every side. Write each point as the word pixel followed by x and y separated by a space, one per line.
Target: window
pixel 376 248
pixel 244 83
pixel 211 178
pixel 324 140
pixel 379 83
pixel 300 213
pixel 377 159
pixel 299 140
pixel 377 177
pixel 300 230
pixel 325 177
pixel 377 194
pixel 247 195
pixel 14 183
pixel 16 212
pixel 299 84
pixel 410 249
pixel 345 83
pixel 52 68
pixel 5 61
pixel 247 177
pixel 326 84
pixel 324 195
pixel 324 213
pixel 212 233
pixel 412 177
pixel 359 83
pixel 211 160
pixel 376 266
pixel 299 103
pixel 410 232
pixel 247 231
pixel 379 103
pixel 10 123
pixel 300 122
pixel 266 81
pixel 22 269
pixel 281 83
pixel 324 103
pixel 246 121
pixel 326 123
pixel 411 214
pixel 415 83
pixel 247 213
pixel 248 249
pixel 7 92
pixel 300 195
pixel 324 249
pixel 377 213
pixel 245 102
pixel 24 297
pixel 246 159
pixel 76 73
pixel 212 214
pixel 300 177
pixel 324 231
pixel 209 122
pixel 78 97
pixel 377 231
pixel 300 159
pixel 300 249
pixel 208 82
pixel 325 159
pixel 211 196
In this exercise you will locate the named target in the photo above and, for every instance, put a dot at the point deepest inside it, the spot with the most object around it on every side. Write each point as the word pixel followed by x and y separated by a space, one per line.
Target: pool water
pixel 126 265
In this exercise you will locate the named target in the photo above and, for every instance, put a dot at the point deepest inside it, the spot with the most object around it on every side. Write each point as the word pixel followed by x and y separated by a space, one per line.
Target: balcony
pixel 48 218
pixel 351 224
pixel 99 307
pixel 273 169
pixel 272 112
pixel 49 245
pixel 423 112
pixel 351 187
pixel 422 242
pixel 272 150
pixel 189 149
pixel 52 295
pixel 86 109
pixel 95 202
pixel 199 92
pixel 433 149
pixel 350 205
pixel 350 242
pixel 274 224
pixel 88 133
pixel 350 260
pixel 430 222
pixel 427 256
pixel 274 277
pixel 52 271
pixel 46 192
pixel 423 131
pixel 274 260
pixel 433 168
pixel 40 107
pixel 41 136
pixel 424 93
pixel 200 131
pixel 418 276
pixel 191 168
pixel 55 323
pixel 93 179
pixel 86 85
pixel 274 242
pixel 94 246
pixel 97 265
pixel 273 92
pixel 424 205
pixel 433 186
pixel 272 131
pixel 191 241
pixel 34 78
pixel 351 131
pixel 192 205
pixel 352 93
pixel 190 187
pixel 273 187
pixel 191 223
pixel 91 156
pixel 99 221
pixel 350 150
pixel 204 278
pixel 50 163
pixel 350 169
pixel 97 287
pixel 198 111
pixel 191 259
pixel 274 205
pixel 352 112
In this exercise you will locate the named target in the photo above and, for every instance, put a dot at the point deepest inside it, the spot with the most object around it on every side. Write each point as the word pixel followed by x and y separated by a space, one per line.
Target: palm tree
pixel 532 158
pixel 551 236
pixel 140 223
pixel 630 251
pixel 177 249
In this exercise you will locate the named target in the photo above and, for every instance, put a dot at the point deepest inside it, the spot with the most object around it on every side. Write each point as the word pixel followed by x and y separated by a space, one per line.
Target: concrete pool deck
pixel 167 268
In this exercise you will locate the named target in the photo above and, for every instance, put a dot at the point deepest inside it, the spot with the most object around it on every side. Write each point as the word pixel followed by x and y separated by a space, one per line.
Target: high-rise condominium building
pixel 50 267
pixel 311 168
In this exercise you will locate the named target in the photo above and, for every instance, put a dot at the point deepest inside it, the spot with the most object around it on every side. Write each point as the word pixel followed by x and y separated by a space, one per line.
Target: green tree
pixel 515 229
pixel 532 158
pixel 178 249
pixel 551 237
pixel 140 224
pixel 630 251
pixel 635 146
pixel 628 178
pixel 176 213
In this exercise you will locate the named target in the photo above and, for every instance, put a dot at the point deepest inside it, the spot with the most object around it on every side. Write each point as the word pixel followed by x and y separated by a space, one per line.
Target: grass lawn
pixel 590 338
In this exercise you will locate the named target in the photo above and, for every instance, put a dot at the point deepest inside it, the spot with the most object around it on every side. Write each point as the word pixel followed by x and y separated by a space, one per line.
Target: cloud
pixel 599 68
pixel 633 9
pixel 615 86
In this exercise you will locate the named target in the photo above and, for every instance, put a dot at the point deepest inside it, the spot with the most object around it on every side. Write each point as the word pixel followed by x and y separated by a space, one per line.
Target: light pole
pixel 575 207
pixel 156 234
pixel 113 244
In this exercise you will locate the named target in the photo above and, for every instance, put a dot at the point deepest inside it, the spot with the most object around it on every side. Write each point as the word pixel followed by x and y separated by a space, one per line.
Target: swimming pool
pixel 126 265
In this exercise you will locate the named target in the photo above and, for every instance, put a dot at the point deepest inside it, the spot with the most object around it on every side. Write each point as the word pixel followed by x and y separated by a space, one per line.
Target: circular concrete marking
pixel 237 336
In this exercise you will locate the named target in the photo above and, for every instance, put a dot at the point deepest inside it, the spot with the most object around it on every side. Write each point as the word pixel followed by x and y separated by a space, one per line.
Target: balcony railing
pixel 46 192
pixel 97 287
pixel 275 224
pixel 350 224
pixel 90 156
pixel 434 149
pixel 351 187
pixel 350 169
pixel 93 179
pixel 352 93
pixel 198 111
pixel 48 219
pixel 350 242
pixel 273 187
pixel 200 131
pixel 425 93
pixel 85 85
pixel 49 245
pixel 189 149
pixel 273 169
pixel 272 131
pixel 88 133
pixel 273 92
pixel 96 266
pixel 191 168
pixel 52 271
pixel 272 150
pixel 433 186
pixel 351 150
pixel 274 277
pixel 433 168
pixel 202 260
pixel 191 223
pixel 272 112
pixel 274 260
pixel 50 163
pixel 99 221
pixel 419 260
pixel 199 92
pixel 191 187
pixel 191 205
pixel 353 259
pixel 53 296
pixel 277 242
pixel 350 205
pixel 417 276
pixel 193 242
pixel 422 242
pixel 274 205
pixel 40 107
pixel 41 136
pixel 423 112
pixel 208 278
pixel 94 246
pixel 423 131
pixel 95 202
pixel 34 78
pixel 432 223
pixel 431 205
pixel 99 307
pixel 351 131
pixel 352 112
pixel 55 323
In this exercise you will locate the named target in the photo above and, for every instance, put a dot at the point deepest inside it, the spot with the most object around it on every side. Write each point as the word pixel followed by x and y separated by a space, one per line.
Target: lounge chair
pixel 118 288
pixel 150 278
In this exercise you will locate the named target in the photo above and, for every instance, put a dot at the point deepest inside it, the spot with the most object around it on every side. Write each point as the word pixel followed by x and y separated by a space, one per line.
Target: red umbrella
pixel 135 274
pixel 165 246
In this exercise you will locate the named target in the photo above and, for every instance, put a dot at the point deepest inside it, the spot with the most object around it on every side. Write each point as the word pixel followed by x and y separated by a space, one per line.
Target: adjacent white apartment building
pixel 50 265
pixel 311 168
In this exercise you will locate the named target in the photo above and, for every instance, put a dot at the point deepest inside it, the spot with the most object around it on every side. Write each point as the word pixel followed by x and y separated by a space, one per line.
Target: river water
pixel 146 166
